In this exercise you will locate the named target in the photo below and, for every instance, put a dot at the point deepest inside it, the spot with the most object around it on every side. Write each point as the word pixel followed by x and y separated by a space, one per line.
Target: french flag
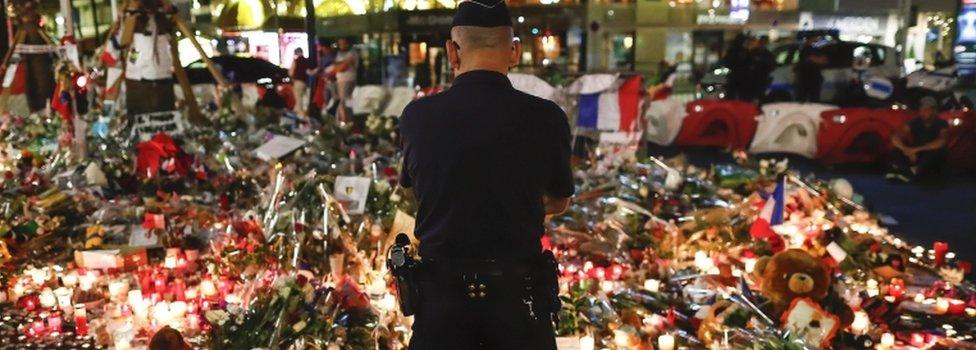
pixel 771 215
pixel 611 110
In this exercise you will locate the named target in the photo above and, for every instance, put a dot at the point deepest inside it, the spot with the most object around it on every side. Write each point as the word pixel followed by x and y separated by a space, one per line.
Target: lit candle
pixel 64 298
pixel 191 293
pixel 179 289
pixel 587 343
pixel 956 307
pixel 70 279
pixel 122 343
pixel 607 286
pixel 86 282
pixel 749 265
pixel 116 289
pixel 161 314
pixel 81 320
pixel 919 298
pixel 47 299
pixel 17 292
pixel 38 327
pixel 861 323
pixel 652 285
pixel 941 306
pixel 177 309
pixel 207 288
pixel 170 262
pixel 971 312
pixel 665 342
pixel 887 341
pixel 134 298
pixel 193 322
pixel 54 323
pixel 38 276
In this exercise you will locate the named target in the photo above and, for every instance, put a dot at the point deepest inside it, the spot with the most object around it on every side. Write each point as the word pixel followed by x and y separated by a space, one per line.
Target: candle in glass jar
pixel 190 293
pixel 941 306
pixel 861 323
pixel 54 323
pixel 38 276
pixel 665 342
pixel 179 289
pixel 887 341
pixel 47 299
pixel 17 291
pixel 587 343
pixel 64 298
pixel 193 322
pixel 38 327
pixel 81 320
pixel 160 284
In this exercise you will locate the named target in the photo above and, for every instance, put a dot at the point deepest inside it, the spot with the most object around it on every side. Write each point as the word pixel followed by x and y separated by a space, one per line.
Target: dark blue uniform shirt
pixel 480 156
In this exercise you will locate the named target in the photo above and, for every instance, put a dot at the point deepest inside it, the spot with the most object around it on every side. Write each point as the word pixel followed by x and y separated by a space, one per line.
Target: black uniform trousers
pixel 449 318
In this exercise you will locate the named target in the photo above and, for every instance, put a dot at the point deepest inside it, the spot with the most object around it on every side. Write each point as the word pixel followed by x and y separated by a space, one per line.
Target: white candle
pixel 652 285
pixel 587 343
pixel 64 298
pixel 665 342
pixel 919 298
pixel 38 276
pixel 170 262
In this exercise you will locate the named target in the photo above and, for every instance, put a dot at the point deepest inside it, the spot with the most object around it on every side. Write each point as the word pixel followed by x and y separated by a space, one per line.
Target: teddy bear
pixel 794 274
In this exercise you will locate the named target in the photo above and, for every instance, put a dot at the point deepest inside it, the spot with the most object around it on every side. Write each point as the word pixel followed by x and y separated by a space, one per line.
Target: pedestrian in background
pixel 299 79
pixel 919 147
pixel 762 64
pixel 736 60
pixel 346 67
pixel 808 71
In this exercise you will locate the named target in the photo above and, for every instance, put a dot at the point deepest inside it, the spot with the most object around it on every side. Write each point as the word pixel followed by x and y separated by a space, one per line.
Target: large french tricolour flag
pixel 771 214
pixel 613 110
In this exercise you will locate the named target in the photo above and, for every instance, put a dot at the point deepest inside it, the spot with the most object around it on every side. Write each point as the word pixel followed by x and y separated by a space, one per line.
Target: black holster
pixel 545 286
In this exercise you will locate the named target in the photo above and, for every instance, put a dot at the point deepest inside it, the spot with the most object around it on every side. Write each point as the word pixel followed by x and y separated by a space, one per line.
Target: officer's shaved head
pixel 471 38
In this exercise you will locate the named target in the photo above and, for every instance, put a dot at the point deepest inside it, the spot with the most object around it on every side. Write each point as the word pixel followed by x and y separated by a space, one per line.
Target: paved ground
pixel 945 211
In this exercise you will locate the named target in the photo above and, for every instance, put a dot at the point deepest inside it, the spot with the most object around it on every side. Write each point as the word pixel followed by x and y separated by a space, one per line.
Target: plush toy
pixel 794 274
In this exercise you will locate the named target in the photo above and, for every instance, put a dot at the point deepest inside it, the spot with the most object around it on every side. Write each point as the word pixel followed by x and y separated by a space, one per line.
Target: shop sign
pixel 850 25
pixel 428 20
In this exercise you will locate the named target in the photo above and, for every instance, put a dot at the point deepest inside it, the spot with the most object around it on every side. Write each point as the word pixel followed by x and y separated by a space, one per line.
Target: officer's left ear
pixel 516 54
pixel 453 54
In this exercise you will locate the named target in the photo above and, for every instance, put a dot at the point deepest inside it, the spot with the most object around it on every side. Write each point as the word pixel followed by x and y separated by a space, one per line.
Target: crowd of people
pixel 325 87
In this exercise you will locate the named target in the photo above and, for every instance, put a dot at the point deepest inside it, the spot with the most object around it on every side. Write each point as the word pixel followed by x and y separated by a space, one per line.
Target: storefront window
pixel 621 56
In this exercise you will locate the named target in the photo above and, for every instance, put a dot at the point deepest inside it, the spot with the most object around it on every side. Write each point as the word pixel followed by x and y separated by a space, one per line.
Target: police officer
pixel 487 164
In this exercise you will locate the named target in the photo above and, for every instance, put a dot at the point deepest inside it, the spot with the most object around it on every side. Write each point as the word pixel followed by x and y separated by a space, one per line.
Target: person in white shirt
pixel 346 64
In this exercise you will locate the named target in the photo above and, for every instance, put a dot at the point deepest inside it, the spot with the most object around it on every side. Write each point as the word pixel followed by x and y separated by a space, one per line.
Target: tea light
pixel 652 285
pixel 971 312
pixel 47 298
pixel 919 298
pixel 81 320
pixel 665 342
pixel 587 343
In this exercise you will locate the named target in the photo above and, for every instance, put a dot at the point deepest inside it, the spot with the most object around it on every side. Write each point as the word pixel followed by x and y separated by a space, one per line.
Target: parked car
pixel 245 70
pixel 875 60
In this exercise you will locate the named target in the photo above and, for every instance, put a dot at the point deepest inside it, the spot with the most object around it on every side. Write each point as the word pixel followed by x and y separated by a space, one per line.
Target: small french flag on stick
pixel 772 213
pixel 613 110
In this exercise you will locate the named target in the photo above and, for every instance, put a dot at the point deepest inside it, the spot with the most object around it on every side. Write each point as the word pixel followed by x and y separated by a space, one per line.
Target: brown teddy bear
pixel 793 274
